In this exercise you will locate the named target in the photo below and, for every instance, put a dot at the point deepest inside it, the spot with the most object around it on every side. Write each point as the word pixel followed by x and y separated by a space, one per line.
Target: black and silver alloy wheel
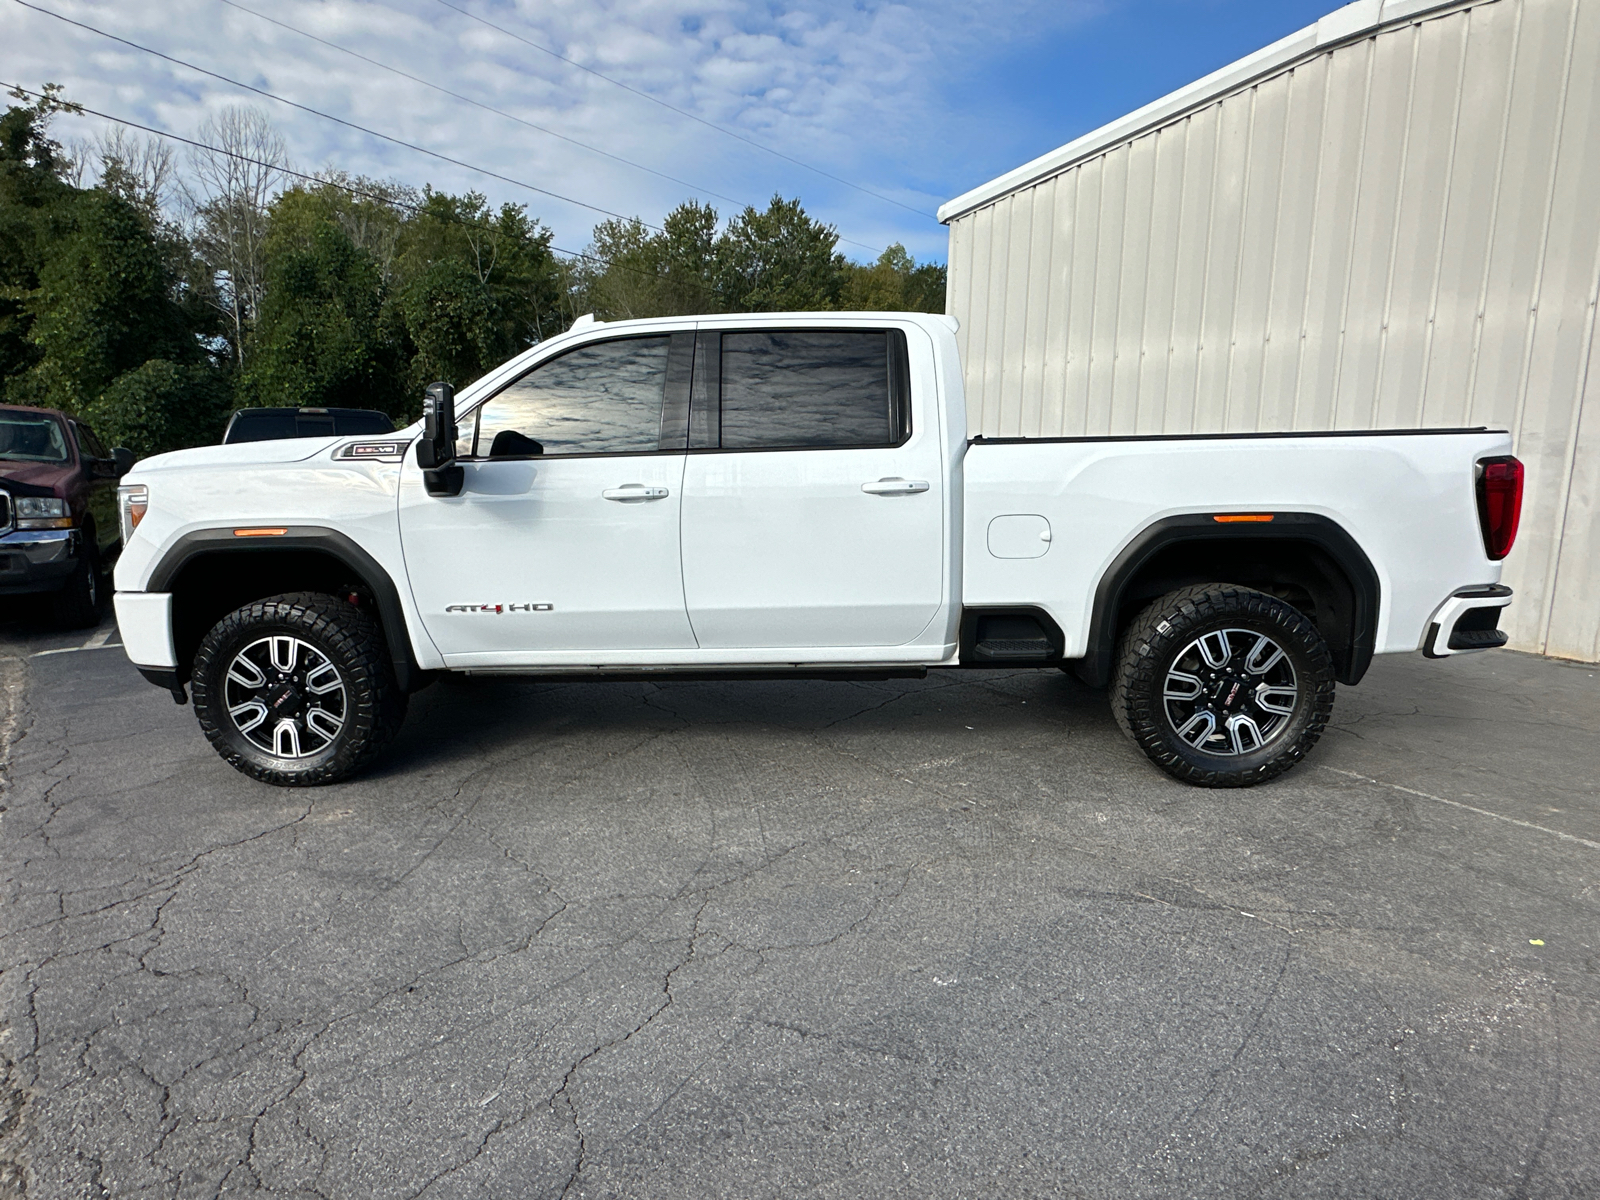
pixel 285 697
pixel 297 689
pixel 1230 692
pixel 1222 685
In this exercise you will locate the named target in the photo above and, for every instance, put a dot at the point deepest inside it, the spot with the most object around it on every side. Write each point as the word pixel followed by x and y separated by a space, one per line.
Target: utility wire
pixel 500 112
pixel 319 181
pixel 681 111
pixel 337 120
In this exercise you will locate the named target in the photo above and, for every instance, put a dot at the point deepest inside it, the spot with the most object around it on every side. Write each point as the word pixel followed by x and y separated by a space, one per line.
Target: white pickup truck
pixel 795 495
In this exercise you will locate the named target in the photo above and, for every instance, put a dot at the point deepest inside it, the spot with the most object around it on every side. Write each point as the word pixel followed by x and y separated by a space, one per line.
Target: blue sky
pixel 916 102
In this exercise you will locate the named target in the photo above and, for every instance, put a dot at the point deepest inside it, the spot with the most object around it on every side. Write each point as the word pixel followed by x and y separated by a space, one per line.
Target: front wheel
pixel 77 605
pixel 297 690
pixel 1222 686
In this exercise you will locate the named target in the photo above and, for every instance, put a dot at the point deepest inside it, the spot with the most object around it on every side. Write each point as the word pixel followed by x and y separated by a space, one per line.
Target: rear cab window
pixel 800 389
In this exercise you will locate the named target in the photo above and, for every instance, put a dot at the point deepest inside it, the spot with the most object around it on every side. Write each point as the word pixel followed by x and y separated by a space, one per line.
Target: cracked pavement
pixel 951 937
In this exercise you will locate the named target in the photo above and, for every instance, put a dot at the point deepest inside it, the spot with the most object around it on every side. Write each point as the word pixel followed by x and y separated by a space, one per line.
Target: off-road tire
pixel 346 637
pixel 77 605
pixel 1153 644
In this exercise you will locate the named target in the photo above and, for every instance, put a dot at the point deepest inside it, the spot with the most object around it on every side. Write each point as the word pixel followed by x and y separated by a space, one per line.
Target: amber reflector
pixel 1232 518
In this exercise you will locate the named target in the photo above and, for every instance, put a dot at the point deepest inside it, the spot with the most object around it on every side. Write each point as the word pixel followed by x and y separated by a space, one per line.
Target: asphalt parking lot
pixel 916 939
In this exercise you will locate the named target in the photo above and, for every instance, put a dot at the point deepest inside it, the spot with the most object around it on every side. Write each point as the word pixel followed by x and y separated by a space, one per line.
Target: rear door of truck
pixel 813 496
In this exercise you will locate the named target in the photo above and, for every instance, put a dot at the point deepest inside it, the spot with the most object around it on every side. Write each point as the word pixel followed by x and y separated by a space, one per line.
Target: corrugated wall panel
pixel 1398 230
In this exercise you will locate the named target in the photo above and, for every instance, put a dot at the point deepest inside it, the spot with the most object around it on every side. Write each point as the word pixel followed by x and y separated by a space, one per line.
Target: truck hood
pixel 242 454
pixel 36 479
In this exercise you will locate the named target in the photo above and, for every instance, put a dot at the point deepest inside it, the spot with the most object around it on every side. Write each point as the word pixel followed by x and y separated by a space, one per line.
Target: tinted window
pixel 360 422
pixel 264 426
pixel 809 388
pixel 599 399
pixel 27 437
pixel 88 443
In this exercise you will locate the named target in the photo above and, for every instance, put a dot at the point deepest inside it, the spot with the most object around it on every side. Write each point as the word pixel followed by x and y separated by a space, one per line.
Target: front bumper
pixel 1468 621
pixel 37 560
pixel 144 619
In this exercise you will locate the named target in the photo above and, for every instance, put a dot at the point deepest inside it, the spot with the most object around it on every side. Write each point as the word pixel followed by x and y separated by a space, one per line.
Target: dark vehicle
pixel 270 424
pixel 58 510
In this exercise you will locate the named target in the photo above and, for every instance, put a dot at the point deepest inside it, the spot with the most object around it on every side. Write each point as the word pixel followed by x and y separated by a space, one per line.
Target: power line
pixel 337 120
pixel 682 112
pixel 500 112
pixel 319 181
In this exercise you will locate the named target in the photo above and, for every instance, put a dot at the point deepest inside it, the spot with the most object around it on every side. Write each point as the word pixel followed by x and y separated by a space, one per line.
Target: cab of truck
pixel 58 510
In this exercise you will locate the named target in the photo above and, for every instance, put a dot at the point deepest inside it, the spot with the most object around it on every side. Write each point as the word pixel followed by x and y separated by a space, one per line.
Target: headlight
pixel 42 512
pixel 132 500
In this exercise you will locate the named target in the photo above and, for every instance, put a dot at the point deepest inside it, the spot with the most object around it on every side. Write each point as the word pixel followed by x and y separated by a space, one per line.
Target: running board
pixel 762 672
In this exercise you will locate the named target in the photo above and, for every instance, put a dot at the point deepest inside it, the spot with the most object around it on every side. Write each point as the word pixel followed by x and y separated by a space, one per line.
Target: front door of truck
pixel 565 534
pixel 813 510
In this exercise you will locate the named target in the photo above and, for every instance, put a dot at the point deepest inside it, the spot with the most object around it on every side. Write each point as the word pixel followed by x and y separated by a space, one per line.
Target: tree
pixel 104 302
pixel 31 193
pixel 894 283
pixel 322 337
pixel 161 405
pixel 476 286
pixel 779 260
pixel 234 177
pixel 634 272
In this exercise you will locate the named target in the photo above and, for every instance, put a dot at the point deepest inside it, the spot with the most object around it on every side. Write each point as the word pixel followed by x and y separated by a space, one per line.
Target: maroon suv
pixel 58 509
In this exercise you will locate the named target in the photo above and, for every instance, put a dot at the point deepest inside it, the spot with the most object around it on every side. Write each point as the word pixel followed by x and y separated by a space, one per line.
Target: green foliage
pixel 772 261
pixel 30 190
pixel 162 405
pixel 779 260
pixel 895 284
pixel 323 337
pixel 475 286
pixel 103 303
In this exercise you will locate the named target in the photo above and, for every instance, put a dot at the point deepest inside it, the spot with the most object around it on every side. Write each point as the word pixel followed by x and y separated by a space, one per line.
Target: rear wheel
pixel 1223 686
pixel 297 690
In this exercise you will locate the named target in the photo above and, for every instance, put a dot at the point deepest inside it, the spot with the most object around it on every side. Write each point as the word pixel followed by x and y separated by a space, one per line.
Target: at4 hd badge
pixel 498 608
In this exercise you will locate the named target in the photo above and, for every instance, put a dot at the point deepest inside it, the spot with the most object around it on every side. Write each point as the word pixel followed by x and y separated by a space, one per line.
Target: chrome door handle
pixel 895 487
pixel 634 491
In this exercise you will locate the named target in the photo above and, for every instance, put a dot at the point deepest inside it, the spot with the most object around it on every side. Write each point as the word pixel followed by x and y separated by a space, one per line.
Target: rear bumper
pixel 37 560
pixel 1467 622
pixel 144 619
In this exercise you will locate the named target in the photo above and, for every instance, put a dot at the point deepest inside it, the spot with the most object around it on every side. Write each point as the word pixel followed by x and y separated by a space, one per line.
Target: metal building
pixel 1390 219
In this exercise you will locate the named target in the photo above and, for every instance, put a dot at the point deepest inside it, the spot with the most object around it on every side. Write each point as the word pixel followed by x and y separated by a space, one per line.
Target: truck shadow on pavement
pixel 494 719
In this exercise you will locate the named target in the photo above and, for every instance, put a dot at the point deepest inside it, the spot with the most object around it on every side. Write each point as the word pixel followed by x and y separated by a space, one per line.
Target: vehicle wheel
pixel 77 606
pixel 1223 686
pixel 297 690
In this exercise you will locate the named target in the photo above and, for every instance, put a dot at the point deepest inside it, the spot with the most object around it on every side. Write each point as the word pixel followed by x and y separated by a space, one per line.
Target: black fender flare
pixel 202 543
pixel 1322 532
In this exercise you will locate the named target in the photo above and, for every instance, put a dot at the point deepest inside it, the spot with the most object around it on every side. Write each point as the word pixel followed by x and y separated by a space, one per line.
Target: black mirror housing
pixel 436 452
pixel 438 445
pixel 124 459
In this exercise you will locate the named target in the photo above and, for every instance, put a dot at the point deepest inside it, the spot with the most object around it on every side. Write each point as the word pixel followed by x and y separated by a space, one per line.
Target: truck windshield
pixel 28 438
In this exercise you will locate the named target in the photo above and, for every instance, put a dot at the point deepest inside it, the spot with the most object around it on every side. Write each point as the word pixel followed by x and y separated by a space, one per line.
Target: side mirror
pixel 436 452
pixel 124 459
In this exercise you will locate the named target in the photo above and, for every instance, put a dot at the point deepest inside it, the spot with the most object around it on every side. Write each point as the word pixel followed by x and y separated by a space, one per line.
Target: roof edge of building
pixel 1348 24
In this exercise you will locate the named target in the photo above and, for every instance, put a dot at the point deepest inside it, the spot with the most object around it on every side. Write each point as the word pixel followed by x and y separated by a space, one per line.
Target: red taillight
pixel 1499 503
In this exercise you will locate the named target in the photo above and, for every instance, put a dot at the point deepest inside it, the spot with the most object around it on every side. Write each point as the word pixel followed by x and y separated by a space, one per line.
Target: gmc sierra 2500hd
pixel 795 495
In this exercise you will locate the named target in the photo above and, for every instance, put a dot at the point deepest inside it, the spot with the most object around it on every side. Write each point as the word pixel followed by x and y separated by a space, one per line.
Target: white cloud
pixel 852 88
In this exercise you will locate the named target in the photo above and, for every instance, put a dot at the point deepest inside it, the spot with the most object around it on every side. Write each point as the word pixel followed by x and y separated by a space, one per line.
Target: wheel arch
pixel 1306 558
pixel 210 572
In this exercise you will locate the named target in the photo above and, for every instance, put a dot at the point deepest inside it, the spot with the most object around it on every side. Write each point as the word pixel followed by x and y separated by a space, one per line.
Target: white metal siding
pixel 1396 231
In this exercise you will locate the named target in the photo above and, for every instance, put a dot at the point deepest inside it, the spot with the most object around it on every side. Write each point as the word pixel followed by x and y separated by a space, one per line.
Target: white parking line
pixel 100 638
pixel 1482 812
pixel 75 649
